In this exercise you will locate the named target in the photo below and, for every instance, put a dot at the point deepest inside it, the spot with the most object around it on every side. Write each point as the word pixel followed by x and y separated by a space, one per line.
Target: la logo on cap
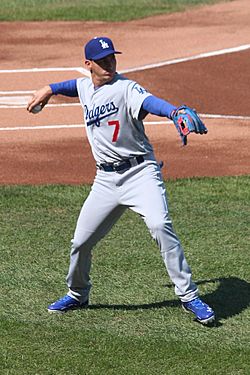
pixel 103 44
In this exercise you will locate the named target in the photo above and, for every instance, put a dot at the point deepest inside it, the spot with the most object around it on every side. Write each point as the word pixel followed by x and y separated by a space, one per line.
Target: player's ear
pixel 88 65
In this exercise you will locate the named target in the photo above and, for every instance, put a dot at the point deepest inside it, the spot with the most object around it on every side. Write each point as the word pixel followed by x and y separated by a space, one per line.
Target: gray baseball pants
pixel 141 189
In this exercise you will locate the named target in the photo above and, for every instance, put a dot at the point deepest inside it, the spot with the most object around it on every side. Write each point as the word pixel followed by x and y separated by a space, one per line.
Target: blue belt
pixel 121 165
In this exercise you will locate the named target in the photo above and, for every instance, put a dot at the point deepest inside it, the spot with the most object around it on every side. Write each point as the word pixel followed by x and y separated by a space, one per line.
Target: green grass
pixel 105 10
pixel 135 324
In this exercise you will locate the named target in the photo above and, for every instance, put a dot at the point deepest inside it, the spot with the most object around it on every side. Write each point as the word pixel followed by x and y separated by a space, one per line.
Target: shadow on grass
pixel 230 298
pixel 146 306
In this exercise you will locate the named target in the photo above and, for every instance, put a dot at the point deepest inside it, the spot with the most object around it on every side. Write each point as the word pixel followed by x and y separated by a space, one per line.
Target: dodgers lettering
pixel 96 114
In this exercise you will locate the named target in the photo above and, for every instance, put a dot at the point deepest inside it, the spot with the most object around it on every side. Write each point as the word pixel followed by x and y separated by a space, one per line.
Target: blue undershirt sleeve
pixel 66 88
pixel 157 106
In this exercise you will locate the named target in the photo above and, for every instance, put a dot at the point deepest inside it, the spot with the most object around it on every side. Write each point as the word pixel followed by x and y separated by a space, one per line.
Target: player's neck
pixel 99 81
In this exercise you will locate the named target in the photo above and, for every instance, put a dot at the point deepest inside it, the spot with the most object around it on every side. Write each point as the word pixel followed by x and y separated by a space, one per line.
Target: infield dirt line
pixel 138 68
pixel 71 126
pixel 190 58
pixel 40 70
pixel 8 104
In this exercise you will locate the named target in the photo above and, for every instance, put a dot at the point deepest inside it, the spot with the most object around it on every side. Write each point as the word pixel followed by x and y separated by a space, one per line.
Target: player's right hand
pixel 41 97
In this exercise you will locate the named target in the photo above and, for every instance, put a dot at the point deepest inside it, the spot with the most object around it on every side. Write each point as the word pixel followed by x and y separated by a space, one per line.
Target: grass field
pixel 135 324
pixel 105 10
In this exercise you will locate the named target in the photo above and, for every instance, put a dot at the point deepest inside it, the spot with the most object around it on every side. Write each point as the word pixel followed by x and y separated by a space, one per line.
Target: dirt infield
pixel 217 86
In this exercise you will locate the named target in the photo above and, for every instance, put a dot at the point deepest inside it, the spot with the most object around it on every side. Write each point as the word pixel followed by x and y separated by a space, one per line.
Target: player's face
pixel 103 70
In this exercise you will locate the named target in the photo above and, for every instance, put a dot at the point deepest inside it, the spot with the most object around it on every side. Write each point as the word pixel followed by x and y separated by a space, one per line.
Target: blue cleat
pixel 66 303
pixel 204 314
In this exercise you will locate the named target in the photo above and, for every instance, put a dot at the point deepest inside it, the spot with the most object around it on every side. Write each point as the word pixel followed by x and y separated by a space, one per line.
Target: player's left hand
pixel 186 120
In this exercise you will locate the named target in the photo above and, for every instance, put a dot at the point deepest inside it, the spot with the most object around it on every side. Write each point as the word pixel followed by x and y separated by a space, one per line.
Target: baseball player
pixel 127 176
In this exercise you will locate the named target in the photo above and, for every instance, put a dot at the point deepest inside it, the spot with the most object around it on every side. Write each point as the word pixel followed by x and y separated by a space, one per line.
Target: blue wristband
pixel 66 88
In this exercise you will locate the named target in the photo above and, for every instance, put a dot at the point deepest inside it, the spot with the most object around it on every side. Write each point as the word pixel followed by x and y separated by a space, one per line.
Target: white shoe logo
pixel 104 44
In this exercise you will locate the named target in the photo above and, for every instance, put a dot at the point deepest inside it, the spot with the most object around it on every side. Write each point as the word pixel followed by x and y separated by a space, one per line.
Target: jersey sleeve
pixel 136 95
pixel 66 88
pixel 158 106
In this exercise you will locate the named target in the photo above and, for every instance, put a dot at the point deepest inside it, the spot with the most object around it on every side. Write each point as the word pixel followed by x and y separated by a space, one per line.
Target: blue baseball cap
pixel 98 48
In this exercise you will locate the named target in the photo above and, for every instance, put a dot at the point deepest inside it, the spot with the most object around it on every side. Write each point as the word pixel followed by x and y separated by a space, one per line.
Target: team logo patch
pixel 138 88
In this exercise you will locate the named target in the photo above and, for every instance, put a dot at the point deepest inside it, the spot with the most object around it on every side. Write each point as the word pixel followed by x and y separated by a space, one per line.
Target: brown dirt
pixel 215 85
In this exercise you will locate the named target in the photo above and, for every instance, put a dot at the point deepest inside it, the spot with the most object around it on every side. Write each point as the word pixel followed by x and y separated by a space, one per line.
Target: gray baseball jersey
pixel 111 117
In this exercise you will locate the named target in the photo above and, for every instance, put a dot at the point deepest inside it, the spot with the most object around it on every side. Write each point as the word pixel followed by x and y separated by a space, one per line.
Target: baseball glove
pixel 186 121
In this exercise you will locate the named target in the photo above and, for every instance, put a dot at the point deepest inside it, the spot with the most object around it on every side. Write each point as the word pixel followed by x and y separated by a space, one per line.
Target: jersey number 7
pixel 116 124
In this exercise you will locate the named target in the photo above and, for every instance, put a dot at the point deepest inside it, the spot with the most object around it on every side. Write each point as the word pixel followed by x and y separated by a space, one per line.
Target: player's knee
pixel 81 244
pixel 75 244
pixel 162 230
pixel 158 225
